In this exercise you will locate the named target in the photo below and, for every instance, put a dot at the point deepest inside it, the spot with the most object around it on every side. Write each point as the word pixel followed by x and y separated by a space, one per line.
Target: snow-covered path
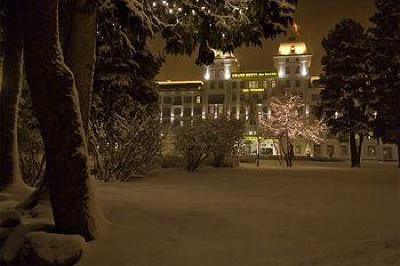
pixel 315 214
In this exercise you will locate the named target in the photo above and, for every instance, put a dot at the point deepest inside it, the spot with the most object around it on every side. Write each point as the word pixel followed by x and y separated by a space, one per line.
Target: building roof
pixel 180 85
pixel 292 48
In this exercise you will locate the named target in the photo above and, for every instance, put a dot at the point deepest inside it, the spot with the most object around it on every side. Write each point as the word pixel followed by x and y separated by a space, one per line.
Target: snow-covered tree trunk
pixel 55 101
pixel 79 33
pixel 9 97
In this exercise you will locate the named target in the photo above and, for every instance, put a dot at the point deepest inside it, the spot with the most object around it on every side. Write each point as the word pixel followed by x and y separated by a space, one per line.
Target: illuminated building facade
pixel 225 90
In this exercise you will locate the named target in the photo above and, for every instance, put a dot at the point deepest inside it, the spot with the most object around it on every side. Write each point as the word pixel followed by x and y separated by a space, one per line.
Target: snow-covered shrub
pixel 197 140
pixel 125 144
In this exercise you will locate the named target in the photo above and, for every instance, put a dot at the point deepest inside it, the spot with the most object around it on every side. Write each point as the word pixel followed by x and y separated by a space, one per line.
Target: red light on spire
pixel 296 28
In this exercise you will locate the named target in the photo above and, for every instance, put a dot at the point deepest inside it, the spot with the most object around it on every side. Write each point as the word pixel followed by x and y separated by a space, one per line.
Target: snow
pixel 320 214
pixel 52 249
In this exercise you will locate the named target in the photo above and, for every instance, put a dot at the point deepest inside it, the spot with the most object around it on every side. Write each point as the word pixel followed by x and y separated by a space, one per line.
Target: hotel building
pixel 226 90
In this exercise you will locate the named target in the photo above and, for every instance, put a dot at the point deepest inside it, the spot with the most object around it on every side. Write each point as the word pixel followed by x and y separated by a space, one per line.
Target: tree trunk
pixel 9 96
pixel 79 46
pixel 55 101
pixel 359 150
pixel 353 149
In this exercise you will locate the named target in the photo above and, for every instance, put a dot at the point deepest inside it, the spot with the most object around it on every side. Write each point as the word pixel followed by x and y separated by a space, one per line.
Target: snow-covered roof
pixel 292 48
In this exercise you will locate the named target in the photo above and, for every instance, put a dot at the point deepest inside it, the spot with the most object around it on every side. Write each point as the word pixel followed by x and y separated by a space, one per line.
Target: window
pixel 167 100
pixel 177 100
pixel 287 83
pixel 315 97
pixel 234 97
pixel 233 110
pixel 343 138
pixel 187 111
pixel 220 84
pixel 292 49
pixel 253 84
pixel 298 149
pixel 187 99
pixel 273 84
pixel 317 149
pixel 371 151
pixel 198 99
pixel 211 109
pixel 234 85
pixel 387 154
pixel 297 83
pixel 343 150
pixel 287 70
pixel 197 110
pixel 212 84
pixel 166 112
pixel 220 110
pixel 297 70
pixel 331 150
pixel 243 84
pixel 177 111
pixel 297 59
pixel 242 98
pixel 216 99
pixel 265 84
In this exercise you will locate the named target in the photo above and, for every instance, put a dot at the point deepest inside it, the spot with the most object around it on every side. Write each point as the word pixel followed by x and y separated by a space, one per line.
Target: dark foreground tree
pixel 56 104
pixel 386 67
pixel 348 96
pixel 9 95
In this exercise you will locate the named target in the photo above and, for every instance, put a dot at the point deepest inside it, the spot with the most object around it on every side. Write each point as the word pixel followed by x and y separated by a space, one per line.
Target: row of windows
pixel 344 151
pixel 177 100
pixel 252 84
pixel 213 109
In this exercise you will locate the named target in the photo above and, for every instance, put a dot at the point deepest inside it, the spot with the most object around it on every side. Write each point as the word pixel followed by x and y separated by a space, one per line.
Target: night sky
pixel 315 17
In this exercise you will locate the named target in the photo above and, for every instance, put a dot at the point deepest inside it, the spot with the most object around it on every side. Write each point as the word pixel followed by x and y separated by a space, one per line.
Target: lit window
pixel 343 150
pixel 211 109
pixel 371 151
pixel 220 110
pixel 253 84
pixel 273 84
pixel 198 99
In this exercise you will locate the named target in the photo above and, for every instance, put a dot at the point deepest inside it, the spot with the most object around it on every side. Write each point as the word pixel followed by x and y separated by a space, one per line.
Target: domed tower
pixel 217 79
pixel 222 68
pixel 293 63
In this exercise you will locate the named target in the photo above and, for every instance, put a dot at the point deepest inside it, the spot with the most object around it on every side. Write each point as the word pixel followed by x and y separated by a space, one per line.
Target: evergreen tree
pixel 346 101
pixel 386 67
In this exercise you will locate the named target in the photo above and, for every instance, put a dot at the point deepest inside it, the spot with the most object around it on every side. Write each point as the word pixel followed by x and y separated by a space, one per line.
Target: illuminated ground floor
pixel 328 149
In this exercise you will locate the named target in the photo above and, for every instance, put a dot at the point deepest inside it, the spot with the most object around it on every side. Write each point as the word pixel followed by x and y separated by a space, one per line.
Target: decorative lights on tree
pixel 206 25
pixel 287 123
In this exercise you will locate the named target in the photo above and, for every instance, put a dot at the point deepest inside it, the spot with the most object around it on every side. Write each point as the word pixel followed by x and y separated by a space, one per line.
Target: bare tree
pixel 287 123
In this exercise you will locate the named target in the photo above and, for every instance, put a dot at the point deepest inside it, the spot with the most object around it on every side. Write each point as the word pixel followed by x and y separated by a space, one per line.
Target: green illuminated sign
pixel 254 75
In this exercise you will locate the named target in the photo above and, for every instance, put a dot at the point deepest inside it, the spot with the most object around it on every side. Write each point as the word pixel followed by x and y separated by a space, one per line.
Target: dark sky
pixel 315 17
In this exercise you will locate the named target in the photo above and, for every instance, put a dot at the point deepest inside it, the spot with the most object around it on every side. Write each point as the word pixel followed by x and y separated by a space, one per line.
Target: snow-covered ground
pixel 324 214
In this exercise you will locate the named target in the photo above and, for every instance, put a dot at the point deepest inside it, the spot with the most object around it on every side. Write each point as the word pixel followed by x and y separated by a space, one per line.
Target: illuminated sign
pixel 266 140
pixel 253 90
pixel 256 75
